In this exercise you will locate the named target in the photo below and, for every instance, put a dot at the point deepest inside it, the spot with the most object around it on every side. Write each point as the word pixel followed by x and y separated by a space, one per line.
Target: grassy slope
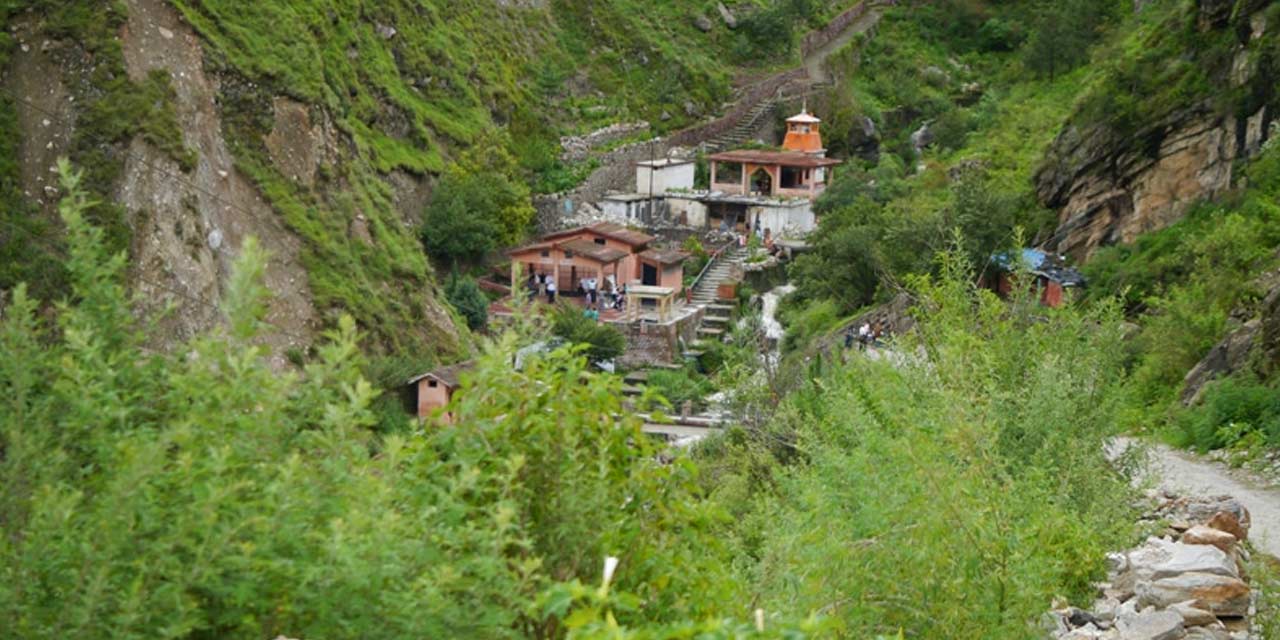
pixel 1005 132
pixel 453 72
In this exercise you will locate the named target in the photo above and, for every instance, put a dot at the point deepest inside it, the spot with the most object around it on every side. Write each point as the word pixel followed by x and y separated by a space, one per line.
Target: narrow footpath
pixel 1185 473
pixel 815 63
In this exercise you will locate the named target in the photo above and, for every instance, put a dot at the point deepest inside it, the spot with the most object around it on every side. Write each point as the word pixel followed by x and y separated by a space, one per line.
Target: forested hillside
pixel 230 231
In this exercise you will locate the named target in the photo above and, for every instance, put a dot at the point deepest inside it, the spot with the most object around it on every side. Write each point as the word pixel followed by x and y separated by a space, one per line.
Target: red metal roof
pixel 783 158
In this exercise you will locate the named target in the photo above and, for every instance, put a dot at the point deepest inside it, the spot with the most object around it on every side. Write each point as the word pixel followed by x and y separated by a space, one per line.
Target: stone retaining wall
pixel 657 344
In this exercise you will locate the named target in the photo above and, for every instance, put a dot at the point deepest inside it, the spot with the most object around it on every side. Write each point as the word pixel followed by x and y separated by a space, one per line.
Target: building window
pixel 600 241
pixel 546 253
pixel 568 255
pixel 433 384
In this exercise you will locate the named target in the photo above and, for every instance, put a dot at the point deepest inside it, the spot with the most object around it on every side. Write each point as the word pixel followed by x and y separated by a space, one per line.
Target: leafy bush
pixel 465 296
pixel 949 495
pixel 806 322
pixel 202 493
pixel 603 342
pixel 1231 410
pixel 477 206
pixel 678 387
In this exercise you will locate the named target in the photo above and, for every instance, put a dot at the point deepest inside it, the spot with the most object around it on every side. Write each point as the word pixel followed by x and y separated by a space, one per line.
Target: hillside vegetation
pixel 201 494
pixel 408 85
pixel 955 485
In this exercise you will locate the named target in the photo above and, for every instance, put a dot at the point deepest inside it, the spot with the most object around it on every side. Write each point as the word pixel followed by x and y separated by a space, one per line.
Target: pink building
pixel 433 390
pixel 597 251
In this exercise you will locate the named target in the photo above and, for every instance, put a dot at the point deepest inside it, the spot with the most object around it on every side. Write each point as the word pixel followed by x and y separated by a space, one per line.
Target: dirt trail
pixel 815 63
pixel 1185 473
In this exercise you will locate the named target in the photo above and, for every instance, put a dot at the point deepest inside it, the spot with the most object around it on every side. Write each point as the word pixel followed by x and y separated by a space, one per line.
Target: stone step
pixel 727 308
pixel 708 331
pixel 710 319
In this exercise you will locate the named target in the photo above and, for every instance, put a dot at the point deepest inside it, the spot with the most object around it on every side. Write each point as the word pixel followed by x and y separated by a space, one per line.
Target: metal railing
pixel 715 257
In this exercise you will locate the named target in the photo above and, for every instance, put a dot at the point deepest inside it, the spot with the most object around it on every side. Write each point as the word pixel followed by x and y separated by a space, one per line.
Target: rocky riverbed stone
pixel 1194 558
pixel 1193 616
pixel 1231 523
pixel 1204 535
pixel 1221 595
pixel 1154 625
pixel 1187 584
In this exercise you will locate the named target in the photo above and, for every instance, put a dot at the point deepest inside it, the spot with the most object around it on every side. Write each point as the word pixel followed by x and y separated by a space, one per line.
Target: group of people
pixel 540 285
pixel 867 335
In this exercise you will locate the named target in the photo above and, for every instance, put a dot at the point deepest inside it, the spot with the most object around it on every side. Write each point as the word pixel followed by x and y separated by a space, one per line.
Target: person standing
pixel 551 291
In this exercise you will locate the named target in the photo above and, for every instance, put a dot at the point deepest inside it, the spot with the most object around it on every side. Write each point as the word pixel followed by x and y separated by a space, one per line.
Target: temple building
pixel 798 171
pixel 767 191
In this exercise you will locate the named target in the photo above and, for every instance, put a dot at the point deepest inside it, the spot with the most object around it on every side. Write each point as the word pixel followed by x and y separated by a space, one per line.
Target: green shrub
pixel 603 342
pixel 465 296
pixel 678 387
pixel 970 482
pixel 202 493
pixel 1230 411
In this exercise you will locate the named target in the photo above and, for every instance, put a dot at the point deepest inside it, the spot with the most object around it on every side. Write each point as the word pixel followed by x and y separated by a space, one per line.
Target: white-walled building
pixel 657 177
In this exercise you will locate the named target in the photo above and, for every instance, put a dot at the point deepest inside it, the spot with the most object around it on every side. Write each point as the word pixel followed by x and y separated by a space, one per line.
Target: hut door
pixel 649 275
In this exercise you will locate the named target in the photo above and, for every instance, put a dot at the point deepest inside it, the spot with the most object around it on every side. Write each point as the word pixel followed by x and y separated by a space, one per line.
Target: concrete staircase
pixel 744 128
pixel 715 320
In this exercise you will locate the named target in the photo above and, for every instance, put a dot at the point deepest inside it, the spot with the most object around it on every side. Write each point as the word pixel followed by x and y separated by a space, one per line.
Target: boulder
pixel 1207 633
pixel 702 22
pixel 1203 535
pixel 864 139
pixel 727 15
pixel 1197 558
pixel 1229 522
pixel 1156 625
pixel 1226 357
pixel 921 138
pixel 1193 616
pixel 1218 594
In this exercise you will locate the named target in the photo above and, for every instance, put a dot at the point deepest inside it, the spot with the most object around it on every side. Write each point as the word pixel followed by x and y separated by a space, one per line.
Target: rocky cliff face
pixel 1110 183
pixel 188 223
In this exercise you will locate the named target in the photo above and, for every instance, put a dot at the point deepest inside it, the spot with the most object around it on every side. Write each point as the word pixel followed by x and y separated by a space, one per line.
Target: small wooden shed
pixel 433 390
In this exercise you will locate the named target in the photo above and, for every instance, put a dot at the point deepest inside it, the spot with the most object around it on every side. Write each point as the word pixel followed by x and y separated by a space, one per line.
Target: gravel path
pixel 1185 473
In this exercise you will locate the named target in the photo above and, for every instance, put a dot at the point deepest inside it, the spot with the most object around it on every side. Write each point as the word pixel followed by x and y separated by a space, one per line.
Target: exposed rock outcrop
pixel 188 232
pixel 1254 343
pixel 1111 183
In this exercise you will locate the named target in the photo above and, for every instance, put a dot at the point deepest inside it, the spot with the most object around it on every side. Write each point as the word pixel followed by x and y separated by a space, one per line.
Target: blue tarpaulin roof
pixel 1041 264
